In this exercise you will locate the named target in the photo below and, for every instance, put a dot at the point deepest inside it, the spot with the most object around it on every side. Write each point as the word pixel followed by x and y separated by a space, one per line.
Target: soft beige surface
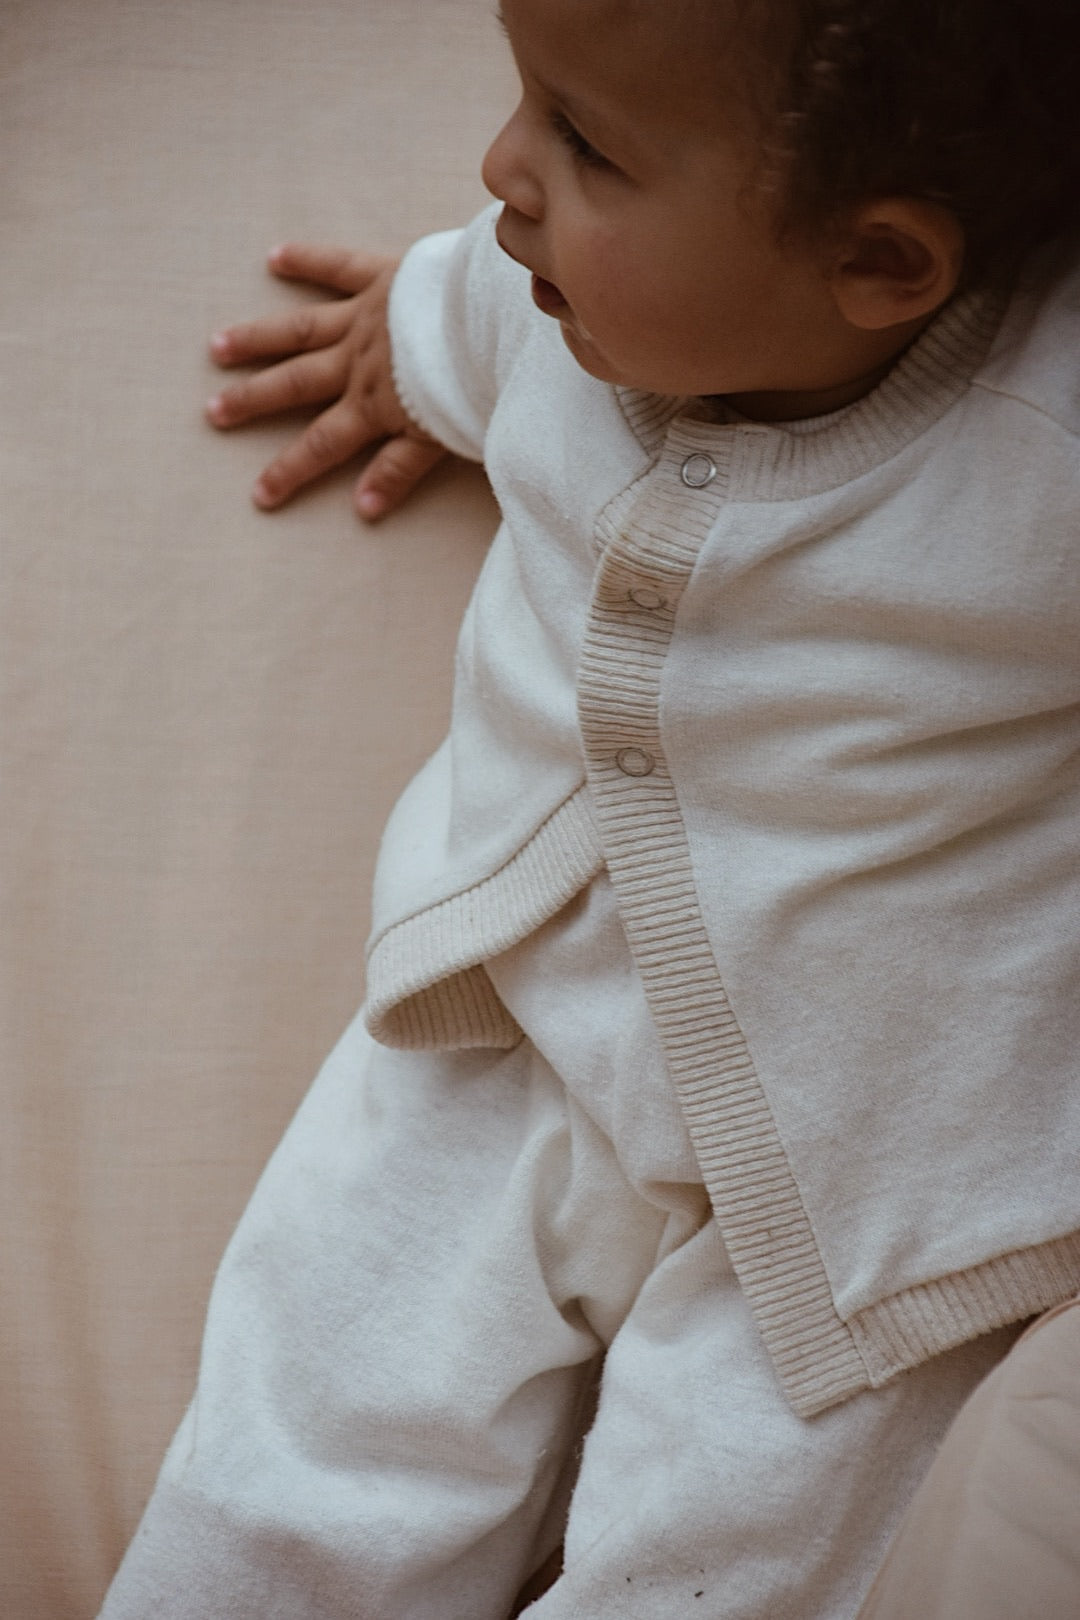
pixel 206 712
pixel 994 1530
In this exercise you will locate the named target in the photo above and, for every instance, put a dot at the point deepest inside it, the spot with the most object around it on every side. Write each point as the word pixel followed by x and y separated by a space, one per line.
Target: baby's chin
pixel 589 357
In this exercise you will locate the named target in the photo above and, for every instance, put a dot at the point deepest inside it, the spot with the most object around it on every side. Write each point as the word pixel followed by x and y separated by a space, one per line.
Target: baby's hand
pixel 335 354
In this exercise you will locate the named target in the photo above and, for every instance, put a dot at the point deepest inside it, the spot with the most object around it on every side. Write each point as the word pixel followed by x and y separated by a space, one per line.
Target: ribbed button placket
pixel 646 561
pixel 651 546
pixel 697 470
pixel 647 597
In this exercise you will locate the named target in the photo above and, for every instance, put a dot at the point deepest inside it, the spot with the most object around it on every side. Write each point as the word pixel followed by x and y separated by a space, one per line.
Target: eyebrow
pixel 577 114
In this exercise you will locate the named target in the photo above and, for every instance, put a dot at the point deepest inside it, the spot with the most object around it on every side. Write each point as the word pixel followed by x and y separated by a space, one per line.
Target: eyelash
pixel 579 146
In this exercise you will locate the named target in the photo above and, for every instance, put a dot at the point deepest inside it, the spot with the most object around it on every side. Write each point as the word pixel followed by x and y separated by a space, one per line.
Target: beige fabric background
pixel 205 712
pixel 994 1530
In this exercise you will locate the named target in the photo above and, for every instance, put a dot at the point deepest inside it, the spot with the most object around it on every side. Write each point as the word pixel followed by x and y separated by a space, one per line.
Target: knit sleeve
pixel 458 308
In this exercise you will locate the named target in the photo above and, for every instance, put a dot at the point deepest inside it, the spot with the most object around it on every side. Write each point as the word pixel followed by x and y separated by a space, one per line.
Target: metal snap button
pixel 698 470
pixel 635 762
pixel 643 596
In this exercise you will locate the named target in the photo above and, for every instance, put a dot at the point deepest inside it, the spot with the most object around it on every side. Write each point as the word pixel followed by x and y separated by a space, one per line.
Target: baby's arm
pixel 335 354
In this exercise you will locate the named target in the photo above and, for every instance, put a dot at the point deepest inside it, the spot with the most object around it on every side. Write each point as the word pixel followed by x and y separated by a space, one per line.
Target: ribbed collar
pixel 781 461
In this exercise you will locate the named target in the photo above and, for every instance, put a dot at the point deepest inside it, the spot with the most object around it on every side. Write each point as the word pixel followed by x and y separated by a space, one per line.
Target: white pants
pixel 403 1346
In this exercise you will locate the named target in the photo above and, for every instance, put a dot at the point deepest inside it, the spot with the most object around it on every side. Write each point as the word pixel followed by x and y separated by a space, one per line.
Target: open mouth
pixel 546 296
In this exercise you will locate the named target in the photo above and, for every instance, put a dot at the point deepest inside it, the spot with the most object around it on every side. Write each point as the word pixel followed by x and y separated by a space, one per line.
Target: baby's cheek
pixel 612 269
pixel 621 302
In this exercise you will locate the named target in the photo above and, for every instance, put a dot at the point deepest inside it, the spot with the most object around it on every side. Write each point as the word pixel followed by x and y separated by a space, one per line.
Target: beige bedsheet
pixel 205 712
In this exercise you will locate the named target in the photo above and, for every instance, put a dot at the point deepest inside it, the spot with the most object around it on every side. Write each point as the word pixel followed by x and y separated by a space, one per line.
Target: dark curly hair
pixel 974 104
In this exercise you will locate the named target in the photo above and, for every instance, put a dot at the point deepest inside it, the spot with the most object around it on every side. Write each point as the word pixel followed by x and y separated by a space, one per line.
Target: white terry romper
pixel 404 1338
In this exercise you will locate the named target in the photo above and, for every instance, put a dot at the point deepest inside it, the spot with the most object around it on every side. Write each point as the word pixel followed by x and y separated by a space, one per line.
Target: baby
pixel 712 1119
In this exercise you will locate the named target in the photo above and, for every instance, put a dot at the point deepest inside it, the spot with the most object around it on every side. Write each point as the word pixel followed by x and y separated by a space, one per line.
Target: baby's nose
pixel 508 172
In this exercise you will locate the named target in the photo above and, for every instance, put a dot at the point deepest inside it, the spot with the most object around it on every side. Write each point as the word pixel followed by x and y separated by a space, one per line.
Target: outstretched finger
pixel 308 379
pixel 290 331
pixel 393 473
pixel 333 437
pixel 325 265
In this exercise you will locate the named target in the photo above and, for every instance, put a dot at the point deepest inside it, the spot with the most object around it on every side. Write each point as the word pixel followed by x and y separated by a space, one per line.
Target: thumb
pixel 392 474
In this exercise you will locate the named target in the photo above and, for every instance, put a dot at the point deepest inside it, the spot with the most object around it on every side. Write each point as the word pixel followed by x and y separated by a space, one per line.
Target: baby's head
pixel 769 199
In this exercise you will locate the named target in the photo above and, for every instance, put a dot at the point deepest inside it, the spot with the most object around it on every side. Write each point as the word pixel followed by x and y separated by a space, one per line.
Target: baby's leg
pixel 394 1360
pixel 702 1494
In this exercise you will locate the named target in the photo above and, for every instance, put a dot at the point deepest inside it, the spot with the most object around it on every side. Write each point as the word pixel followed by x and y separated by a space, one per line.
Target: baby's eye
pixel 582 149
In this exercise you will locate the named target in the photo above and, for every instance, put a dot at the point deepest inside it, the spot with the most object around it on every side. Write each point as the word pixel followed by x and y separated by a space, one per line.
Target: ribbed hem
pixel 426 986
pixel 922 1322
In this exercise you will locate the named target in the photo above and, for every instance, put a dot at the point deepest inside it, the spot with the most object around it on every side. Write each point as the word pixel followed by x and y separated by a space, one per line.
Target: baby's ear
pixel 899 260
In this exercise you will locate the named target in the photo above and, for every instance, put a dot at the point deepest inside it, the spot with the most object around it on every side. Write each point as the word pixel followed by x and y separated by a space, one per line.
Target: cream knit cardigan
pixel 810 694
